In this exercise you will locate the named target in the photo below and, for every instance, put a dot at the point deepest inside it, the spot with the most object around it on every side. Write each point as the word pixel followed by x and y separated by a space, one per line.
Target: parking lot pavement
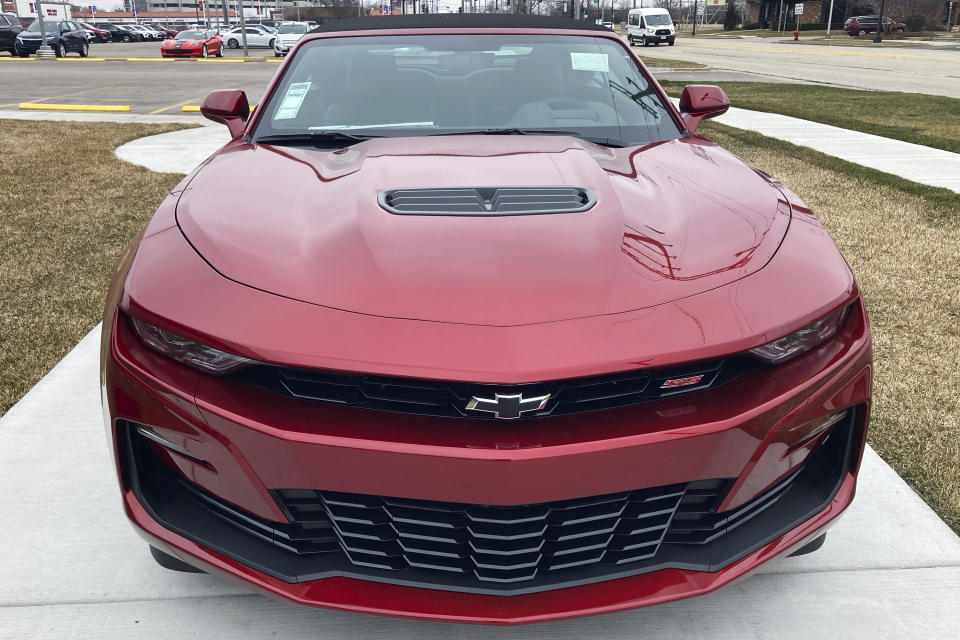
pixel 72 567
pixel 148 87
pixel 934 71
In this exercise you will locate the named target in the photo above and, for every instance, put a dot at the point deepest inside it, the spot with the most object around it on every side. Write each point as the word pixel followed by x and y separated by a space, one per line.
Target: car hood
pixel 671 220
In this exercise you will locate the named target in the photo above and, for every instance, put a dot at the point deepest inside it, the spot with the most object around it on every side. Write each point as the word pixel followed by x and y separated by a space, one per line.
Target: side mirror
pixel 700 101
pixel 229 107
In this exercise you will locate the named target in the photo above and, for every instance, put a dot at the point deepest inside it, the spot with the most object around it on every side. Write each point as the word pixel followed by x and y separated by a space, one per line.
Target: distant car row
pixel 72 36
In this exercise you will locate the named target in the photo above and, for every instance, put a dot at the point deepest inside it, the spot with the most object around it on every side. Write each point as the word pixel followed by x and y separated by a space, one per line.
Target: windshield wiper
pixel 315 138
pixel 514 131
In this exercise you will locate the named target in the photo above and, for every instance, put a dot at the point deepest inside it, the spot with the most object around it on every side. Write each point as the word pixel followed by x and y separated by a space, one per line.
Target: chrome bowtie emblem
pixel 507 407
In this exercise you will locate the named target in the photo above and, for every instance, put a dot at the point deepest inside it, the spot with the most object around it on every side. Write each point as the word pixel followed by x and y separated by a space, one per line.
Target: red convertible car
pixel 200 44
pixel 468 323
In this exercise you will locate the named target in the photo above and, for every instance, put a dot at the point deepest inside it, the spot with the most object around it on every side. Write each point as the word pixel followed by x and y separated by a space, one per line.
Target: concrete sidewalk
pixel 915 162
pixel 71 566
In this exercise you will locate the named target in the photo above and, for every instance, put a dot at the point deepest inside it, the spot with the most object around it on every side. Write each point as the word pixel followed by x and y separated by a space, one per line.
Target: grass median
pixel 902 241
pixel 59 241
pixel 921 119
pixel 66 213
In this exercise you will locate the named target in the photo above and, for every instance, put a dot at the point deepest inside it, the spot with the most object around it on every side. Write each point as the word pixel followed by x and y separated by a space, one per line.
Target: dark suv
pixel 116 33
pixel 10 28
pixel 63 36
pixel 862 25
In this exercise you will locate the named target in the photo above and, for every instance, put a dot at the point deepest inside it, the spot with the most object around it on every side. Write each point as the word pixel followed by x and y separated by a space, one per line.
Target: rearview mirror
pixel 229 107
pixel 700 101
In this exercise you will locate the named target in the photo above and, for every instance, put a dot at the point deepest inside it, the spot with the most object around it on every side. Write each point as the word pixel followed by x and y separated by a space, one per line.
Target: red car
pixel 468 323
pixel 186 44
pixel 101 35
pixel 862 25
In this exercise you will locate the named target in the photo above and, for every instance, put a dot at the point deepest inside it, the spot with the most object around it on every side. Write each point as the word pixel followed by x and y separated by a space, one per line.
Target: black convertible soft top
pixel 457 20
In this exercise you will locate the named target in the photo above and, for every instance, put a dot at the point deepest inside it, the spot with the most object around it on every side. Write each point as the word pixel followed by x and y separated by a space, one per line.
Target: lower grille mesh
pixel 494 543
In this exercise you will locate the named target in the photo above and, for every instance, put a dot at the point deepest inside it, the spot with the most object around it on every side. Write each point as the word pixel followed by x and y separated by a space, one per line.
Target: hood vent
pixel 487 201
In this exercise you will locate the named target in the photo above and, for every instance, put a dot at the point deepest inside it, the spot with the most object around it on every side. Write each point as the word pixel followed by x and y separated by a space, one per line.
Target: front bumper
pixel 255 444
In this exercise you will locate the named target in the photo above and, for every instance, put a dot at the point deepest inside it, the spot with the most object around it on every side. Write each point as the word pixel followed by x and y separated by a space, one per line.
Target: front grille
pixel 450 399
pixel 491 549
pixel 489 543
pixel 663 32
pixel 491 201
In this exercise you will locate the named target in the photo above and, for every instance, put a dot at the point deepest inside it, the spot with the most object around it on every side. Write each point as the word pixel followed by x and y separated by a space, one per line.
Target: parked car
pixel 256 37
pixel 199 44
pixel 650 26
pixel 100 35
pixel 288 34
pixel 862 25
pixel 162 31
pixel 65 36
pixel 481 338
pixel 148 34
pixel 10 28
pixel 116 33
pixel 131 34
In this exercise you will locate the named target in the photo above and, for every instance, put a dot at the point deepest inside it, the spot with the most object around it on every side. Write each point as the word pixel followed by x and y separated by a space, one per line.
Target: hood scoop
pixel 487 201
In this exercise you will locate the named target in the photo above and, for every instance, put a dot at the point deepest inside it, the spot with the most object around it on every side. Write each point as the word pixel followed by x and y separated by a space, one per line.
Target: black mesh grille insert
pixel 487 201
pixel 451 399
pixel 492 543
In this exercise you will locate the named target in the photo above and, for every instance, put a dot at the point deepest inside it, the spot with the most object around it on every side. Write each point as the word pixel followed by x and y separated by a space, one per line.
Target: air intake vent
pixel 487 201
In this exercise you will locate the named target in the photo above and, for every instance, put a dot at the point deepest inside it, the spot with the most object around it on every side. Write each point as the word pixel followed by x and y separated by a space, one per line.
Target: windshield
pixel 293 28
pixel 48 26
pixel 657 19
pixel 444 84
pixel 191 35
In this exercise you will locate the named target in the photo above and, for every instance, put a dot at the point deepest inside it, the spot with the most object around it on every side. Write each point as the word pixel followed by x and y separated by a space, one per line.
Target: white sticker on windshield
pixel 290 106
pixel 589 62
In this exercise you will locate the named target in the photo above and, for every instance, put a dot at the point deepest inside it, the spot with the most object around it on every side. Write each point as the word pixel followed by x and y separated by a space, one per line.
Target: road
pixel 163 87
pixel 934 70
pixel 159 87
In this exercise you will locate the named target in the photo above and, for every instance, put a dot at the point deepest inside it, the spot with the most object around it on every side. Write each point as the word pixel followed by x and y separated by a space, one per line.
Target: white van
pixel 650 26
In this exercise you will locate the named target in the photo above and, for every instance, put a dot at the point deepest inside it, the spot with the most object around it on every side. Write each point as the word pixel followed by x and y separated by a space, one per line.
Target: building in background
pixel 27 11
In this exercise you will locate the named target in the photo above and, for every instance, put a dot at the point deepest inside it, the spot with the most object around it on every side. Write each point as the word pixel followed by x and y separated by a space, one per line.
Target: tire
pixel 84 50
pixel 125 38
pixel 862 32
pixel 271 44
pixel 276 55
pixel 203 51
pixel 645 43
pixel 630 40
pixel 220 50
pixel 167 561
pixel 61 50
pixel 23 54
pixel 810 547
pixel 233 44
pixel 670 41
pixel 899 31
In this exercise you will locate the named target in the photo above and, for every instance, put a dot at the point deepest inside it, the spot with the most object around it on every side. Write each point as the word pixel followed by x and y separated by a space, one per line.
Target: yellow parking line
pixel 16 58
pixel 79 59
pixel 62 95
pixel 174 106
pixel 149 59
pixel 42 106
pixel 219 59
pixel 195 108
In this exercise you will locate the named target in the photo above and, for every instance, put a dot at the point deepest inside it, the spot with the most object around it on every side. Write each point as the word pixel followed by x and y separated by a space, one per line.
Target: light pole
pixel 44 51
pixel 883 4
pixel 696 4
pixel 243 29
pixel 829 19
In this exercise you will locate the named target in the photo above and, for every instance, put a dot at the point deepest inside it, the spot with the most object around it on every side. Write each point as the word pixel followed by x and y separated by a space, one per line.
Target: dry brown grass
pixel 68 206
pixel 905 250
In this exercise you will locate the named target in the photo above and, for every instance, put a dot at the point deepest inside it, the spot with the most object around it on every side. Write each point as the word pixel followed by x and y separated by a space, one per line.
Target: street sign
pixel 798 9
pixel 716 3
